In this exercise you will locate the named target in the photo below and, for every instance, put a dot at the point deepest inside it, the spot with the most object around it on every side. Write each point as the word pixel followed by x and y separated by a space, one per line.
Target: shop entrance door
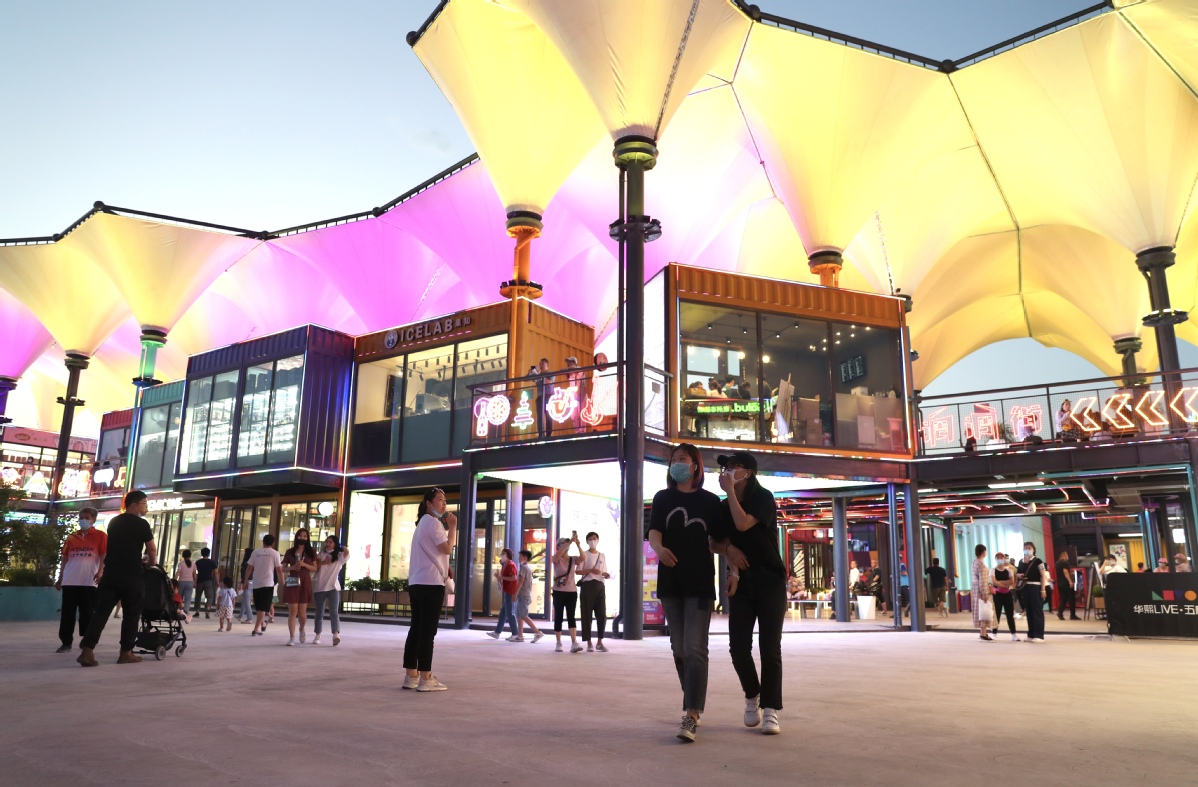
pixel 241 528
pixel 490 530
pixel 166 526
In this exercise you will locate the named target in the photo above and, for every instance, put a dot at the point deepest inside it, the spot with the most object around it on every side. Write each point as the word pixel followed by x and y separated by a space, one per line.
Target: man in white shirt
pixel 264 572
pixel 854 575
pixel 82 566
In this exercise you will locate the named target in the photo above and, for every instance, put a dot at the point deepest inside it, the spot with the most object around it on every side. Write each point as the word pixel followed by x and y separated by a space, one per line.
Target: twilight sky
pixel 267 114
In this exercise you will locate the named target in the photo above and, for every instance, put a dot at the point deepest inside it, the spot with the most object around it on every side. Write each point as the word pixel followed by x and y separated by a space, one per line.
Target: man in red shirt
pixel 82 566
pixel 506 576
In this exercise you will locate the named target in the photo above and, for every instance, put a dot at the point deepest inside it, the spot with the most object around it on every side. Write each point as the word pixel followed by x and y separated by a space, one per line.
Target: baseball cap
pixel 571 359
pixel 741 458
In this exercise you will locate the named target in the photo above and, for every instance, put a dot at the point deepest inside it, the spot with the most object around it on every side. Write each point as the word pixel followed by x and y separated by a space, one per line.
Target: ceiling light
pixel 1017 484
pixel 709 326
pixel 1129 535
pixel 764 358
pixel 715 351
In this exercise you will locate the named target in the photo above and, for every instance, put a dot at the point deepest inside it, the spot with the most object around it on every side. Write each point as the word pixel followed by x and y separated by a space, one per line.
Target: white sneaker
pixel 411 681
pixel 1037 639
pixel 769 722
pixel 515 638
pixel 303 636
pixel 686 730
pixel 291 642
pixel 601 647
pixel 492 635
pixel 752 711
pixel 537 637
pixel 315 640
pixel 576 648
pixel 590 648
pixel 558 649
pixel 431 684
pixel 1014 637
pixel 336 640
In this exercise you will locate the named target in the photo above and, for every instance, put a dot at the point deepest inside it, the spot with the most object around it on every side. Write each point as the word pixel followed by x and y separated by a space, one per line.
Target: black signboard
pixel 1152 605
pixel 852 369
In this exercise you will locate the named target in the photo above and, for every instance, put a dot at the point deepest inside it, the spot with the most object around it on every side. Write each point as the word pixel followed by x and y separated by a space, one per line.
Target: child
pixel 224 604
pixel 181 613
pixel 524 599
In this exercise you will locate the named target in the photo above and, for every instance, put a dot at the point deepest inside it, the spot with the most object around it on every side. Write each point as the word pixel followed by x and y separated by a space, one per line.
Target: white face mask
pixel 1002 561
pixel 592 542
pixel 1027 553
pixel 86 524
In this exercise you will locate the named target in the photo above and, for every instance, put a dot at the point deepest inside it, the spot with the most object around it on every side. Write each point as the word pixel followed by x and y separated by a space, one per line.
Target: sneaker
pixel 576 648
pixel 303 636
pixel 1014 637
pixel 537 637
pixel 493 634
pixel 686 730
pixel 515 638
pixel 1036 639
pixel 769 722
pixel 87 658
pixel 336 640
pixel 64 649
pixel 432 684
pixel 410 681
pixel 558 649
pixel 291 642
pixel 752 711
pixel 590 648
pixel 315 640
pixel 601 647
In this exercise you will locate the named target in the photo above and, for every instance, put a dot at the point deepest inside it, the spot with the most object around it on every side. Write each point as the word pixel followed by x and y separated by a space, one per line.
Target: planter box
pixel 18 603
pixel 359 597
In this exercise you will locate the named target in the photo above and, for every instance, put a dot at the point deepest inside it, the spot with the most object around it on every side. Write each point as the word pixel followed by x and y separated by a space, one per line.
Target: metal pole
pixel 467 499
pixel 896 593
pixel 914 546
pixel 75 363
pixel 840 557
pixel 1146 536
pixel 950 556
pixel 514 532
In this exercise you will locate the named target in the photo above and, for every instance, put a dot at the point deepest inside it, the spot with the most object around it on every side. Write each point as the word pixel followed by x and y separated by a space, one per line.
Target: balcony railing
pixel 561 404
pixel 1105 409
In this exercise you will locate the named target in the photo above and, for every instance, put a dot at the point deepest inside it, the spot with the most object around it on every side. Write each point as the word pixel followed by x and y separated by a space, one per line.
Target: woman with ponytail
pixel 428 570
pixel 185 573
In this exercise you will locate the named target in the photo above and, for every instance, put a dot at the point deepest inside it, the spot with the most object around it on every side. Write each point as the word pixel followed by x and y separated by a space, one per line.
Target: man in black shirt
pixel 939 580
pixel 205 582
pixel 128 534
pixel 1065 588
pixel 756 594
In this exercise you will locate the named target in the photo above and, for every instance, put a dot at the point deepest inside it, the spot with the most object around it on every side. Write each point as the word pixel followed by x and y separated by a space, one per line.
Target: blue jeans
pixel 333 599
pixel 689 620
pixel 247 609
pixel 186 589
pixel 507 613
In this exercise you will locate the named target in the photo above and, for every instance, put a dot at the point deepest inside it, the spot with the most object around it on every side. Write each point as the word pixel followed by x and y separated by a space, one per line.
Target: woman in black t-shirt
pixel 681 520
pixel 1032 576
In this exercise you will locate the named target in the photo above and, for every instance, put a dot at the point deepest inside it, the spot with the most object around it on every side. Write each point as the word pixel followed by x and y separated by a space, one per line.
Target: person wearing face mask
pixel 80 572
pixel 299 563
pixel 981 609
pixel 1002 577
pixel 326 587
pixel 1033 580
pixel 681 521
pixel 592 593
pixel 756 592
pixel 428 570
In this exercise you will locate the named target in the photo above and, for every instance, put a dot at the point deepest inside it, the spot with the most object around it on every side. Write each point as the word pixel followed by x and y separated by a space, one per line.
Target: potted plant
pixel 361 591
pixel 1099 601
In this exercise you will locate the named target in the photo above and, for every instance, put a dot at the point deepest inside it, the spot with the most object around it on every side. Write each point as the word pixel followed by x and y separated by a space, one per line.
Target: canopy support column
pixel 840 557
pixel 896 538
pixel 634 155
pixel 467 502
pixel 75 363
pixel 826 264
pixel 525 226
pixel 1127 347
pixel 1152 264
pixel 914 538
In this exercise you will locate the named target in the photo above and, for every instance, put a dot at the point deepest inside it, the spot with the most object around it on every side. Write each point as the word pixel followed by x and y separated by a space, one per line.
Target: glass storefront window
pixel 399 549
pixel 868 380
pixel 195 430
pixel 478 361
pixel 113 445
pixel 284 409
pixel 719 373
pixel 318 516
pixel 220 421
pixel 427 404
pixel 255 415
pixel 798 405
pixel 195 532
pixel 365 537
pixel 375 439
pixel 157 438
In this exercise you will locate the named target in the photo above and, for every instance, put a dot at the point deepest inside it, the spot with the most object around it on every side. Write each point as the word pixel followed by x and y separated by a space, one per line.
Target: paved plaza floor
pixel 868 708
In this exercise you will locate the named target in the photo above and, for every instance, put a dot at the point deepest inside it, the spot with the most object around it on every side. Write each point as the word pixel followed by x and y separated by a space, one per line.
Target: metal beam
pixel 840 557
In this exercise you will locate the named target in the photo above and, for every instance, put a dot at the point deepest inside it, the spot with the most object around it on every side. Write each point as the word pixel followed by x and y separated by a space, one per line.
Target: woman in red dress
pixel 298 565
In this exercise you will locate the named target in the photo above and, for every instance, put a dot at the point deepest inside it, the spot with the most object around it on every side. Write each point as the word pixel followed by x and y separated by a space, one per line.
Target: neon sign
pixel 1189 414
pixel 562 404
pixel 983 423
pixel 1154 417
pixel 590 413
pixel 1118 417
pixel 1085 406
pixel 523 418
pixel 939 428
pixel 1026 419
pixel 750 406
pixel 490 411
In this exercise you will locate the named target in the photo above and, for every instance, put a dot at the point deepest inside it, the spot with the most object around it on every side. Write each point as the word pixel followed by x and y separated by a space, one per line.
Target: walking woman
pixel 1003 580
pixel 428 570
pixel 299 563
pixel 185 573
pixel 680 524
pixel 1032 577
pixel 246 613
pixel 565 590
pixel 979 579
pixel 592 593
pixel 756 592
pixel 326 587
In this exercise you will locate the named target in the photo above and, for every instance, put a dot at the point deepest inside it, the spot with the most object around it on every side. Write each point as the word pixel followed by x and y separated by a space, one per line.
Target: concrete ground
pixel 890 708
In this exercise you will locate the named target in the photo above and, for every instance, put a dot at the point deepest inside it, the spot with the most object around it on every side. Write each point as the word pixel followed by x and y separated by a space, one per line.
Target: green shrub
pixel 25 577
pixel 365 583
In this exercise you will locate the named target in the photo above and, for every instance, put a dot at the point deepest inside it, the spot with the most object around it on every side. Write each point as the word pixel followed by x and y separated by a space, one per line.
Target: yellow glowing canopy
pixel 523 107
pixel 638 60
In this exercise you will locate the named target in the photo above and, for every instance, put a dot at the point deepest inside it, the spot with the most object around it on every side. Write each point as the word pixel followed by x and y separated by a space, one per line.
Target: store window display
pixel 798 405
pixel 867 378
pixel 720 352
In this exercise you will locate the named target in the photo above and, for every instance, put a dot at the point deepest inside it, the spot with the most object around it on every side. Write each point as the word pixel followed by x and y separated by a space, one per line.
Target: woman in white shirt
pixel 428 569
pixel 592 593
pixel 326 587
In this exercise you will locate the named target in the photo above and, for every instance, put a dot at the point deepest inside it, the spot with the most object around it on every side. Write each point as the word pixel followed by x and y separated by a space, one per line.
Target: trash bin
pixel 865 607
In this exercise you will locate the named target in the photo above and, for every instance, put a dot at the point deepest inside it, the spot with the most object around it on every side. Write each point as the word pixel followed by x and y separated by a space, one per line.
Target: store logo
pixel 391 339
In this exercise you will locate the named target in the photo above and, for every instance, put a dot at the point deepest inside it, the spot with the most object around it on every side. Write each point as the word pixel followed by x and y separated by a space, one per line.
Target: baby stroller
pixel 160 624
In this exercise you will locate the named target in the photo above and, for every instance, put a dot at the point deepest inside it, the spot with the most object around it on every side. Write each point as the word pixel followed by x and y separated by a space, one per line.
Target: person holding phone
pixel 592 592
pixel 1033 581
pixel 300 562
pixel 428 571
pixel 565 590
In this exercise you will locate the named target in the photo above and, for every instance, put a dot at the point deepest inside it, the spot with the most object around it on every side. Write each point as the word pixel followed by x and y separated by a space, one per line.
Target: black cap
pixel 741 458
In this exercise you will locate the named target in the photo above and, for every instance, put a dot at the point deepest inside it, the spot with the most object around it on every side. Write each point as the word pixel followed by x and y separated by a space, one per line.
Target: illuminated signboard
pixel 523 418
pixel 173 504
pixel 729 407
pixel 490 411
pixel 939 428
pixel 852 369
pixel 562 404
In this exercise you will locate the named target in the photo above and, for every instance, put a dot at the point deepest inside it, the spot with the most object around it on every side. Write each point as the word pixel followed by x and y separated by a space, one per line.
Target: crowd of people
pixel 596 392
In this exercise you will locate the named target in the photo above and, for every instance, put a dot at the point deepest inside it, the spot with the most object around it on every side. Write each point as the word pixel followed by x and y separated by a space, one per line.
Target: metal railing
pixel 1104 409
pixel 561 404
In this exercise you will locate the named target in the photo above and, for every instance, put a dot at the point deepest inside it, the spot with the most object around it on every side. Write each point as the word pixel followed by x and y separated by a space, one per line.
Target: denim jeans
pixel 186 590
pixel 507 613
pixel 247 608
pixel 760 599
pixel 689 620
pixel 333 598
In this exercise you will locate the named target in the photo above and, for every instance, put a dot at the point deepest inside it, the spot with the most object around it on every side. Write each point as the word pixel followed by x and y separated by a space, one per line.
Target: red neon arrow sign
pixel 1154 416
pixel 1115 417
pixel 1189 415
pixel 1085 406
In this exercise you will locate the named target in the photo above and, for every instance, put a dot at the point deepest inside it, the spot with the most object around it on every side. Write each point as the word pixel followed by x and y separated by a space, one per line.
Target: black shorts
pixel 264 598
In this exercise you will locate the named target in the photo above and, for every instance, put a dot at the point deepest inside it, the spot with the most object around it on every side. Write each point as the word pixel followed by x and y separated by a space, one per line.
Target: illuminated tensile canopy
pixel 1008 196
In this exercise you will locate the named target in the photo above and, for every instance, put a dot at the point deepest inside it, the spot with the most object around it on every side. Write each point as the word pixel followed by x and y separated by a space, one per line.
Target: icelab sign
pixel 1152 605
